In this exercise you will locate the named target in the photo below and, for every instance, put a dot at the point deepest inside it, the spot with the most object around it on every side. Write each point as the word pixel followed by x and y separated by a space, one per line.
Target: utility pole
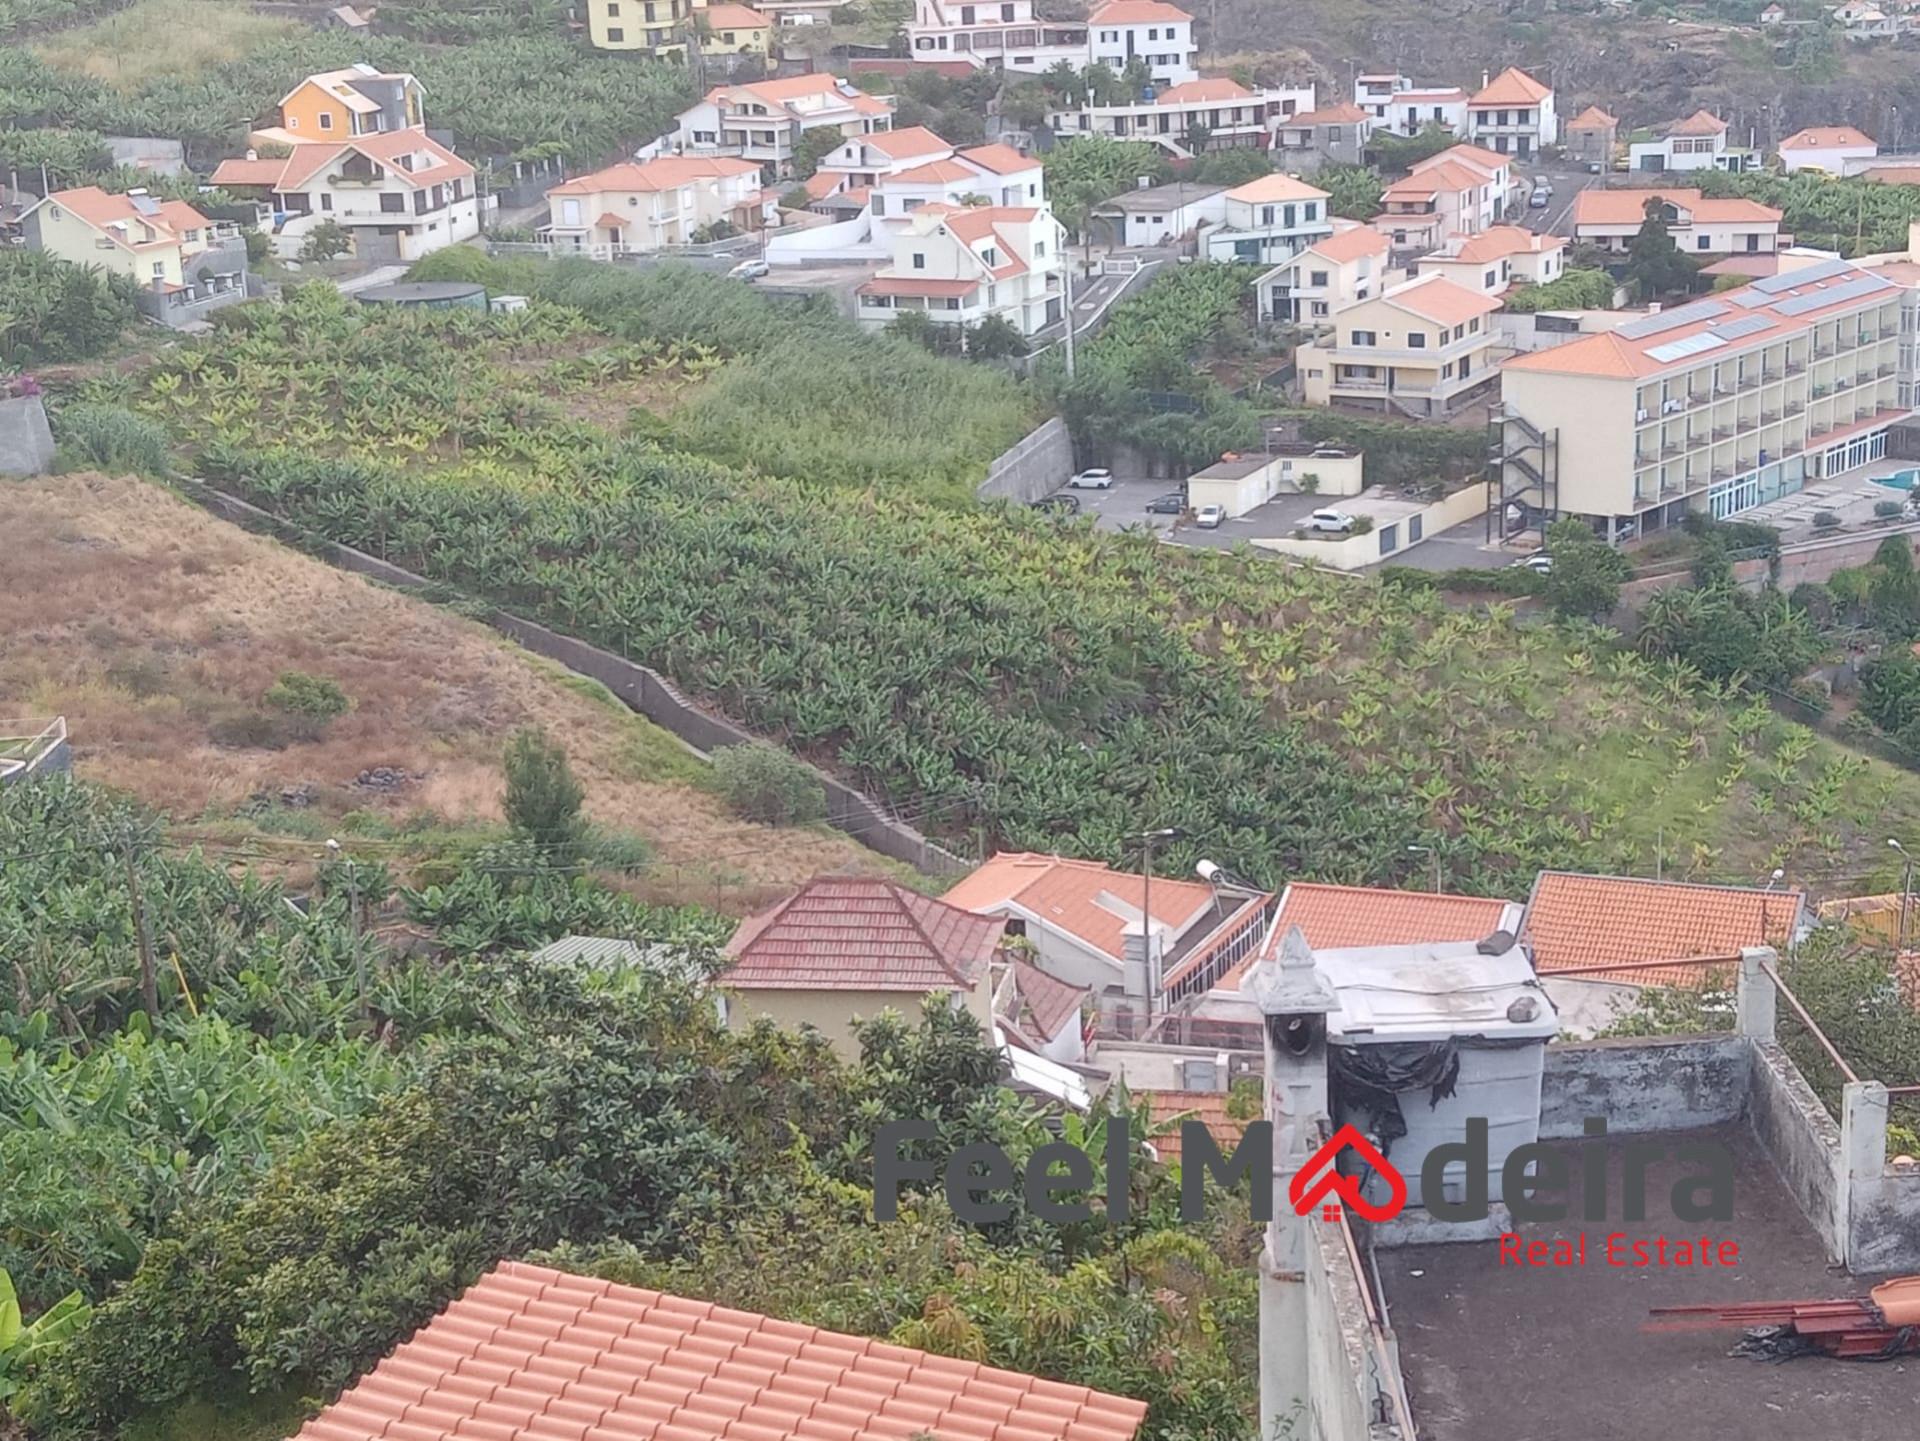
pixel 143 934
pixel 1066 270
pixel 1431 851
pixel 1906 892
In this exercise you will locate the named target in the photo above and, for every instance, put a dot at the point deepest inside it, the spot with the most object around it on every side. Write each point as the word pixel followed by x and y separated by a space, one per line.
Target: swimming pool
pixel 1899 480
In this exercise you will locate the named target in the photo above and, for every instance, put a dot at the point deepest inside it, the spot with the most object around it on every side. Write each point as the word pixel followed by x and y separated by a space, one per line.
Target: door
pixel 373 242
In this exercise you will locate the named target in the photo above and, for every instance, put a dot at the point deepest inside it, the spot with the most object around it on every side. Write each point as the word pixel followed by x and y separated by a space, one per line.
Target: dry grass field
pixel 147 622
pixel 155 38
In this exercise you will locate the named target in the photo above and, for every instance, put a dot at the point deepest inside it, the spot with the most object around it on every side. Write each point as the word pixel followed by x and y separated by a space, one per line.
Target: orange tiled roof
pixel 1199 92
pixel 1627 206
pixel 1272 189
pixel 1138 12
pixel 1000 159
pixel 1472 156
pixel 1430 180
pixel 1356 242
pixel 248 172
pixel 915 285
pixel 1440 300
pixel 859 933
pixel 1049 1001
pixel 1343 114
pixel 114 215
pixel 1592 118
pixel 1701 122
pixel 1502 240
pixel 1512 86
pixel 1207 1107
pixel 937 171
pixel 1083 898
pixel 735 17
pixel 1337 917
pixel 529 1352
pixel 1573 921
pixel 906 143
pixel 1893 174
pixel 666 173
pixel 1826 137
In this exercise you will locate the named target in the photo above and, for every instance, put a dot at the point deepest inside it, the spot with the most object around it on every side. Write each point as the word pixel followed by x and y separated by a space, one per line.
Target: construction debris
pixel 1883 1324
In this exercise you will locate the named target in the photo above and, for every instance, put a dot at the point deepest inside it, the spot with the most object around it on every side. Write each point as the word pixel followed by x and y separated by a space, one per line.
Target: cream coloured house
pixel 1496 260
pixel 1329 275
pixel 634 209
pixel 1418 348
pixel 961 265
pixel 145 240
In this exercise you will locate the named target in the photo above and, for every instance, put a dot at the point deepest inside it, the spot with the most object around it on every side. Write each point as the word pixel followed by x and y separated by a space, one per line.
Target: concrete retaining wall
pixel 643 689
pixel 1038 464
pixel 1640 1084
pixel 1885 1223
pixel 26 444
pixel 1802 1139
pixel 1341 1364
pixel 1810 561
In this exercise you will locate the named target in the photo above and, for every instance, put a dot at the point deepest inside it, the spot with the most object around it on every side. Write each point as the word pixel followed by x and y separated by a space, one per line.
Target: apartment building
pixel 1699 225
pixel 1157 34
pixel 1591 136
pixel 657 204
pixel 1330 135
pixel 1268 220
pixel 1513 114
pixel 761 120
pixel 960 266
pixel 1719 405
pixel 1835 149
pixel 1463 190
pixel 1697 143
pixel 399 194
pixel 1002 34
pixel 1496 260
pixel 1395 103
pixel 649 27
pixel 1329 275
pixel 1227 113
pixel 1421 348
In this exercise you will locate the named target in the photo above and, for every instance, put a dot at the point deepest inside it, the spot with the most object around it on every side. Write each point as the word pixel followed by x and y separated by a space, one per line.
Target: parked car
pixel 1210 516
pixel 749 270
pixel 1172 503
pixel 1594 167
pixel 1337 521
pixel 1065 504
pixel 1096 478
pixel 1540 563
pixel 1541 199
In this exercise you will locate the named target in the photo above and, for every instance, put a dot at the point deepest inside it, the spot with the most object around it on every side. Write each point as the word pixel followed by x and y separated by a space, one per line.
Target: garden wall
pixel 26 445
pixel 1038 464
pixel 643 689
pixel 1807 561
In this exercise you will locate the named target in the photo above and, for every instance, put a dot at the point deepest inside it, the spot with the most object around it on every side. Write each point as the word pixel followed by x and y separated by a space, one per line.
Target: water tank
pixel 427 295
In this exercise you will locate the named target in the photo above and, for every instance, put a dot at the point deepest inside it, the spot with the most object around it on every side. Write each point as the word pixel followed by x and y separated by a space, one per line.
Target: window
pixel 1039 250
pixel 919 260
pixel 1287 213
pixel 1317 277
pixel 1414 528
pixel 1701 243
pixel 1361 337
pixel 326 201
pixel 1416 340
pixel 1006 12
pixel 393 204
pixel 1319 307
pixel 613 7
pixel 159 270
pixel 1489 280
pixel 615 35
pixel 966 14
pixel 1311 211
pixel 326 120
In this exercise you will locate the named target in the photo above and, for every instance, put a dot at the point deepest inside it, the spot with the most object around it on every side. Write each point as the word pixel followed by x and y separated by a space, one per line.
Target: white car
pixel 1336 521
pixel 749 270
pixel 1540 563
pixel 1096 478
pixel 1208 517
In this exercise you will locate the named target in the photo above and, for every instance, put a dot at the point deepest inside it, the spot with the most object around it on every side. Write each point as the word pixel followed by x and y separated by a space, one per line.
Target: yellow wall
pixel 738 42
pixel 71 238
pixel 634 27
pixel 301 114
pixel 1594 415
pixel 832 1013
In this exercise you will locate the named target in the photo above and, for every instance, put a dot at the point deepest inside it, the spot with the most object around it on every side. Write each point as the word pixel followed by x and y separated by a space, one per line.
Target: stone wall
pixel 1801 1138
pixel 26 444
pixel 643 689
pixel 1640 1085
pixel 1036 465
pixel 1343 1366
pixel 1808 561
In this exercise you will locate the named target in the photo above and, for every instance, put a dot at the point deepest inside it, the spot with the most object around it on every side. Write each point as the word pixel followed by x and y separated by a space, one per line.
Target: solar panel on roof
pixel 1672 319
pixel 1680 349
pixel 1831 295
pixel 1744 325
pixel 1750 298
pixel 1788 279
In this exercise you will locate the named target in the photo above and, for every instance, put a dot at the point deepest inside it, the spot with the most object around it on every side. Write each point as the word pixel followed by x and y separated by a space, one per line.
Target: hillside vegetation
pixel 1003 676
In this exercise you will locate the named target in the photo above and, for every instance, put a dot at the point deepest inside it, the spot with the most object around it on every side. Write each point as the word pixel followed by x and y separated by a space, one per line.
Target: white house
pixel 1003 34
pixel 1152 31
pixel 399 194
pixel 1498 259
pixel 1163 214
pixel 762 120
pixel 1461 191
pixel 1697 143
pixel 629 209
pixel 1268 220
pixel 1828 148
pixel 983 175
pixel 863 161
pixel 1698 224
pixel 1396 103
pixel 960 266
pixel 1513 114
pixel 1227 113
pixel 1333 272
pixel 1862 20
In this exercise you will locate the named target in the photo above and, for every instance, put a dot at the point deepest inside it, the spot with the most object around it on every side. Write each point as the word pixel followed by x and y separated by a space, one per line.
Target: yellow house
pixel 148 241
pixel 1419 348
pixel 734 30
pixel 337 105
pixel 843 948
pixel 654 27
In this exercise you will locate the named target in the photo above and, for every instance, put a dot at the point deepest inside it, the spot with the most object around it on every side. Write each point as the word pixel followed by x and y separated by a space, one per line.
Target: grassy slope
pixel 220 613
pixel 154 38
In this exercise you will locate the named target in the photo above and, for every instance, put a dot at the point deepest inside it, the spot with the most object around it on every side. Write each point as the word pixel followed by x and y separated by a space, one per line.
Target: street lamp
pixel 1906 890
pixel 1148 839
pixel 1429 850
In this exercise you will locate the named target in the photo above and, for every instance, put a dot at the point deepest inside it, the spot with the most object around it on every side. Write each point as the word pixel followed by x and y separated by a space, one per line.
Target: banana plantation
pixel 997 676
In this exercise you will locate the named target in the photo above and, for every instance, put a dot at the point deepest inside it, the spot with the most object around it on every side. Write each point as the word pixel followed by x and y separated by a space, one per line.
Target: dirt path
pixel 147 622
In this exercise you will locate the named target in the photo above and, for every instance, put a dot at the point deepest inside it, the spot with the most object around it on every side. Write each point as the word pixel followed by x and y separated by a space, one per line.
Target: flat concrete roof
pixel 1235 469
pixel 1498 1352
pixel 1162 197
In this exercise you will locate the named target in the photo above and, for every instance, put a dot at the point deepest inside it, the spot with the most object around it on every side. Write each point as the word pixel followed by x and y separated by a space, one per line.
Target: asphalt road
pixel 1567 180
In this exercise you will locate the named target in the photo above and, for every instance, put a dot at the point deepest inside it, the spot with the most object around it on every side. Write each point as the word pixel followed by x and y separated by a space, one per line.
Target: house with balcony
pixel 1513 114
pixel 1719 405
pixel 1834 149
pixel 762 120
pixel 1328 135
pixel 854 167
pixel 1216 114
pixel 1153 32
pixel 732 29
pixel 1700 225
pixel 1697 143
pixel 961 265
pixel 1496 260
pixel 998 34
pixel 1591 137
pixel 1267 220
pixel 399 194
pixel 1396 104
pixel 337 105
pixel 635 209
pixel 1329 275
pixel 1421 348
pixel 648 27
pixel 981 175
pixel 185 265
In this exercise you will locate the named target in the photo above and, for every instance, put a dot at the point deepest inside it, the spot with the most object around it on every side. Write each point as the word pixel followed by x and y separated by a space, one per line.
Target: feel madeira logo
pixel 1537 1184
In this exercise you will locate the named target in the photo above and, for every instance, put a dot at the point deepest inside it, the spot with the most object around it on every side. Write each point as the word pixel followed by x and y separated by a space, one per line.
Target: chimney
pixel 253 154
pixel 1137 968
pixel 1486 76
pixel 1143 182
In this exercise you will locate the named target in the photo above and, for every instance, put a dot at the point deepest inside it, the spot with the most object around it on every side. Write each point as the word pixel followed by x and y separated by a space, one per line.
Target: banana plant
pixel 22 1341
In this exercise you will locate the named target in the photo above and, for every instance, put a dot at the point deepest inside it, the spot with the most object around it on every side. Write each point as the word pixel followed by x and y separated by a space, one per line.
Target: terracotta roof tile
pixel 1354 243
pixel 1049 1001
pixel 1138 12
pixel 1627 206
pixel 1512 86
pixel 861 933
pixel 907 142
pixel 1207 1107
pixel 668 172
pixel 1271 189
pixel 1438 299
pixel 1827 137
pixel 1000 159
pixel 1592 118
pixel 1083 898
pixel 1338 917
pixel 1201 92
pixel 1574 921
pixel 1701 122
pixel 1346 113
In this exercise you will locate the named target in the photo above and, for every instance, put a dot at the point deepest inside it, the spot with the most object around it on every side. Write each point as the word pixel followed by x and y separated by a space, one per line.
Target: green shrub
pixel 325 241
pixel 52 311
pixel 543 797
pixel 106 437
pixel 1826 520
pixel 768 785
pixel 249 730
pixel 1362 525
pixel 313 697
